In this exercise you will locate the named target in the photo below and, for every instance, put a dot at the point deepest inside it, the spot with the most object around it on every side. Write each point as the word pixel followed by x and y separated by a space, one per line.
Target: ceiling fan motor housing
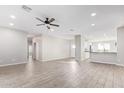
pixel 47 21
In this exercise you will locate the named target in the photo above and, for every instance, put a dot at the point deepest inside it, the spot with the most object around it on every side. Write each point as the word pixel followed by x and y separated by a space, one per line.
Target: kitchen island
pixel 104 57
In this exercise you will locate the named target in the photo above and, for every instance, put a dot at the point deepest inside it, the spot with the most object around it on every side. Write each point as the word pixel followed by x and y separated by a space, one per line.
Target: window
pixel 103 47
pixel 100 47
pixel 107 47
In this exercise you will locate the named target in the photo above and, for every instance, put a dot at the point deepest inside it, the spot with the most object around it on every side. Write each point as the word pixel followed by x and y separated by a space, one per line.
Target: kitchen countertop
pixel 101 52
pixel 105 52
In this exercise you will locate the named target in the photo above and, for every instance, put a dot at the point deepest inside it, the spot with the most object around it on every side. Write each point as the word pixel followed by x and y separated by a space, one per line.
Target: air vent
pixel 26 8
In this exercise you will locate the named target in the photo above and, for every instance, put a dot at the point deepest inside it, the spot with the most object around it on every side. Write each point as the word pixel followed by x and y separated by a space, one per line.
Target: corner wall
pixel 78 48
pixel 13 47
pixel 53 48
pixel 120 45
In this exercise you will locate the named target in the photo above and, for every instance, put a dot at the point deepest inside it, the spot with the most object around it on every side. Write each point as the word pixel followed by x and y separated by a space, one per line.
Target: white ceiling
pixel 75 17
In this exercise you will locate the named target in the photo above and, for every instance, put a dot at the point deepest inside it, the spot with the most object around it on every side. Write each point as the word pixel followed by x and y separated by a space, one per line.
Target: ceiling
pixel 73 19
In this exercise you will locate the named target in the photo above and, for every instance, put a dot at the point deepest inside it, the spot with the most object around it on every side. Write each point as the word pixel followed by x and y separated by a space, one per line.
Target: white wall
pixel 120 40
pixel 87 49
pixel 84 49
pixel 84 45
pixel 78 48
pixel 83 54
pixel 38 41
pixel 13 46
pixel 52 48
pixel 73 48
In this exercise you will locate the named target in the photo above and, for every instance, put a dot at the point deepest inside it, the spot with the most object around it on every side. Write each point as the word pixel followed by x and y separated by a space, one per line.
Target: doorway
pixel 34 51
pixel 30 49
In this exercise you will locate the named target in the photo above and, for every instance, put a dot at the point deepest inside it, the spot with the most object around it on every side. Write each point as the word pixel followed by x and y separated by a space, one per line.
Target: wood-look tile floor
pixel 62 74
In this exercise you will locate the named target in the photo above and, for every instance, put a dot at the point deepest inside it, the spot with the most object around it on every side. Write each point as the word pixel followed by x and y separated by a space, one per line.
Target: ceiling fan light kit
pixel 47 22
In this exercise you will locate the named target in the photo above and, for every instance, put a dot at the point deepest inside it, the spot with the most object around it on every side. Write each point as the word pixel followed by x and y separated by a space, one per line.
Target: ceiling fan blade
pixel 40 24
pixel 51 20
pixel 54 25
pixel 48 27
pixel 39 19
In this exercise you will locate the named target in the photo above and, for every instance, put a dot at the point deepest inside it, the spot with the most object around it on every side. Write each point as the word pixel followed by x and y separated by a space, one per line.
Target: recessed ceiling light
pixel 104 35
pixel 92 24
pixel 51 30
pixel 11 24
pixel 12 16
pixel 73 46
pixel 93 14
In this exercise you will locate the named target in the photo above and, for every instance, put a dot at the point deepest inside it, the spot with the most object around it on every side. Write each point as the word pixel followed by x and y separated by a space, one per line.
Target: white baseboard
pixel 56 59
pixel 109 63
pixel 25 62
pixel 87 59
pixel 103 62
pixel 120 65
pixel 2 65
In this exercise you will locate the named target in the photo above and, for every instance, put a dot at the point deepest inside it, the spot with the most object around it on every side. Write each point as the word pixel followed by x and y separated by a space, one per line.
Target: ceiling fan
pixel 47 22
